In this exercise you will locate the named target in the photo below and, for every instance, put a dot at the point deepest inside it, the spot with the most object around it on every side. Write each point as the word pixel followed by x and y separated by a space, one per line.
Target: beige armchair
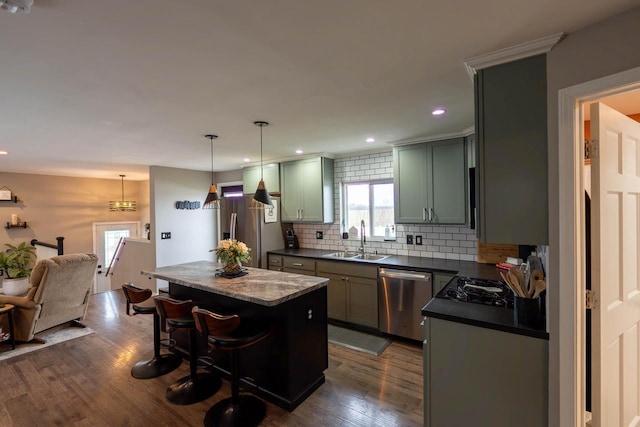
pixel 59 293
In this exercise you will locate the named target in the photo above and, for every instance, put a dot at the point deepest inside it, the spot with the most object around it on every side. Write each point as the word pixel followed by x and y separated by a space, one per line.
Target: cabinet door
pixel 251 178
pixel 447 186
pixel 362 301
pixel 275 262
pixel 410 184
pixel 336 296
pixel 310 175
pixel 439 281
pixel 511 135
pixel 291 192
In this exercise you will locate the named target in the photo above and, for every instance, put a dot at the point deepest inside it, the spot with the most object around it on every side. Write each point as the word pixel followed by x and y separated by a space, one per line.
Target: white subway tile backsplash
pixel 439 241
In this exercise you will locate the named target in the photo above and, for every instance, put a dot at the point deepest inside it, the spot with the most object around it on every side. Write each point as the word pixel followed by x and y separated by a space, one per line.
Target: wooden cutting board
pixel 493 253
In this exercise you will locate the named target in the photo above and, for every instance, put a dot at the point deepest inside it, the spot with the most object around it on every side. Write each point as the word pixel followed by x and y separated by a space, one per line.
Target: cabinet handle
pixel 297 264
pixel 342 278
pixel 424 214
pixel 430 214
pixel 301 214
pixel 298 217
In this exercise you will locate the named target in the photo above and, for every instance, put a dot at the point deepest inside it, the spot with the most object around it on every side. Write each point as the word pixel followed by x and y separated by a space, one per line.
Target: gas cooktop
pixel 478 291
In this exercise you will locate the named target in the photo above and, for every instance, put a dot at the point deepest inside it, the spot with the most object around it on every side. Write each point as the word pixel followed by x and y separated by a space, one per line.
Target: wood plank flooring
pixel 87 382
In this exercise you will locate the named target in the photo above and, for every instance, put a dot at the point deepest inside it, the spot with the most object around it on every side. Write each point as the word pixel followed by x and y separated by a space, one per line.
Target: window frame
pixel 344 204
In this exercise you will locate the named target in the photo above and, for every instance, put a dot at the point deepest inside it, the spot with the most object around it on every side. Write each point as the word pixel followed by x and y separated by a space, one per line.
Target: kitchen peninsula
pixel 288 366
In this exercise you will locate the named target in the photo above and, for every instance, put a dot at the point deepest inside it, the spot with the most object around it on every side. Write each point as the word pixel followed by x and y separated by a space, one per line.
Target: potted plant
pixel 16 262
pixel 231 252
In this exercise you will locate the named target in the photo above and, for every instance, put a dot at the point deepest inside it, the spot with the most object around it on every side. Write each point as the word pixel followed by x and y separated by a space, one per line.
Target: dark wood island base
pixel 289 365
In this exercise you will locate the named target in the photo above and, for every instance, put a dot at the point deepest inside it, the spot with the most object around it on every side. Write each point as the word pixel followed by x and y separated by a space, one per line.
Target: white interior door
pixel 615 225
pixel 106 238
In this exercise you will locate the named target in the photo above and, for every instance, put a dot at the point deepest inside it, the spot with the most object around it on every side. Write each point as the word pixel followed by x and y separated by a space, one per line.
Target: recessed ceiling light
pixel 3 153
pixel 438 111
pixel 246 159
pixel 299 151
pixel 370 140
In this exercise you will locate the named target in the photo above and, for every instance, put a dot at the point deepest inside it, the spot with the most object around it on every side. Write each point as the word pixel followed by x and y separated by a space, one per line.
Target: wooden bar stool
pixel 160 364
pixel 230 333
pixel 195 387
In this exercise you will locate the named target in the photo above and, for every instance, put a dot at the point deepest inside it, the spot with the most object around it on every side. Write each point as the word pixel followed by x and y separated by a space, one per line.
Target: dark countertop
pixel 498 318
pixel 461 268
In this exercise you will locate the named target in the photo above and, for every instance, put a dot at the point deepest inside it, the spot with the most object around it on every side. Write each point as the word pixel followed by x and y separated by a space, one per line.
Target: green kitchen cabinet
pixel 251 178
pixel 439 281
pixel 431 182
pixel 299 265
pixel 511 163
pixel 307 191
pixel 352 292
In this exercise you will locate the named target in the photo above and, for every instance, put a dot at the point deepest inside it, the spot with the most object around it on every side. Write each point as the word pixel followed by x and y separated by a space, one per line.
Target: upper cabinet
pixel 251 178
pixel 431 182
pixel 307 190
pixel 511 163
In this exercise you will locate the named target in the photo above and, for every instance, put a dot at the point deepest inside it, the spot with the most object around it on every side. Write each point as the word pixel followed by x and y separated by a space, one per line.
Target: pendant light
pixel 212 200
pixel 261 196
pixel 122 205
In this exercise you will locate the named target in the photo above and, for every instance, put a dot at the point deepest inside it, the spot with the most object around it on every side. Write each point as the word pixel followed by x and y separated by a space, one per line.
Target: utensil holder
pixel 528 312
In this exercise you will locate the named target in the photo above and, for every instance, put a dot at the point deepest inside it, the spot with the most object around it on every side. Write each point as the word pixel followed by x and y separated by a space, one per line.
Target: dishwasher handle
pixel 404 274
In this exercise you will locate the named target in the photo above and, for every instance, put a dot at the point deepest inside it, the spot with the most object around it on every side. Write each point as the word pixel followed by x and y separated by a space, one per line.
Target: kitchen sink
pixel 343 254
pixel 356 256
pixel 370 257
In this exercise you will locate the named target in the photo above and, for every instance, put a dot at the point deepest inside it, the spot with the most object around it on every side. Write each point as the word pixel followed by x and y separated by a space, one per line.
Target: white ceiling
pixel 98 88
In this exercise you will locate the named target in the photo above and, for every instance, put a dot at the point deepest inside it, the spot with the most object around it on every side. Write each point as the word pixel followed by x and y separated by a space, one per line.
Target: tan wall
pixel 599 50
pixel 64 206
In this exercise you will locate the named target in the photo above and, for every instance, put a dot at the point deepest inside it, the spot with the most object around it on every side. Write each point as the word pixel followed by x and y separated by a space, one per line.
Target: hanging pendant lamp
pixel 261 196
pixel 123 205
pixel 212 200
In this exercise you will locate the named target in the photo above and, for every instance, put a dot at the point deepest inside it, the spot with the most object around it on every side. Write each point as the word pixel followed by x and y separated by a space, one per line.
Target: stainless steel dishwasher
pixel 401 296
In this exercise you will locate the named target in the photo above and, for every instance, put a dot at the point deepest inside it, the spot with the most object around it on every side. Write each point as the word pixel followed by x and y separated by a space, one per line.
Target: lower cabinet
pixel 275 262
pixel 352 292
pixel 299 265
pixel 479 376
pixel 439 281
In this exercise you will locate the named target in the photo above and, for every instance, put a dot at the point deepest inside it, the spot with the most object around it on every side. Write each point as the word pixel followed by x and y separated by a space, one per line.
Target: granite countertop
pixel 461 268
pixel 259 286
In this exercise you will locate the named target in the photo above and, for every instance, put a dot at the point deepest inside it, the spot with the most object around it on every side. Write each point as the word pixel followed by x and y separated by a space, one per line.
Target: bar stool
pixel 159 364
pixel 195 387
pixel 230 333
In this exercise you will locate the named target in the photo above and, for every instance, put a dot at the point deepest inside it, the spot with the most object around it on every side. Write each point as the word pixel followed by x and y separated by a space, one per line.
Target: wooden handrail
pixel 59 246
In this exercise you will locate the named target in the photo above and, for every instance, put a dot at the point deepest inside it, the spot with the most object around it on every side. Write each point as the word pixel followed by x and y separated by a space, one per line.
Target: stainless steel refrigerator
pixel 259 229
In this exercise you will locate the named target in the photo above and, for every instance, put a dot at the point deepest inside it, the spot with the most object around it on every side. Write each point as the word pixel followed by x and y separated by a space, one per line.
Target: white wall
pixel 602 49
pixel 192 231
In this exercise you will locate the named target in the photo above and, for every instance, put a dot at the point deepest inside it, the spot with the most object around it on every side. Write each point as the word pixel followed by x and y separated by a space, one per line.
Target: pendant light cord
pixel 211 160
pixel 122 180
pixel 261 168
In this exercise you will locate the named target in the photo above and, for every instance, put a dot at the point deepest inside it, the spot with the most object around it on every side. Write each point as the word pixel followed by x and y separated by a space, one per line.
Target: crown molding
pixel 464 133
pixel 508 54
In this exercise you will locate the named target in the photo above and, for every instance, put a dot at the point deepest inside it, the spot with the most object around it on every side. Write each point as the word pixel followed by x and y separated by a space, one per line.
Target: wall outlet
pixel 319 235
pixel 345 235
pixel 409 239
pixel 165 235
pixel 418 239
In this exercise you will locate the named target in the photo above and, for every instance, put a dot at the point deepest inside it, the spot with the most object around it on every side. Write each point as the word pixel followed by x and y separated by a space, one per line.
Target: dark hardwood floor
pixel 87 382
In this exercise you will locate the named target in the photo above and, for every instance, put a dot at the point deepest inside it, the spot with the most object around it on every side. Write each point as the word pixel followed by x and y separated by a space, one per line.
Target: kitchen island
pixel 289 365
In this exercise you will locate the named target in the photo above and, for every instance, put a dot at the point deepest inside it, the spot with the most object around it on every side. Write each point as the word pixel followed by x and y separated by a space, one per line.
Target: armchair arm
pixel 22 302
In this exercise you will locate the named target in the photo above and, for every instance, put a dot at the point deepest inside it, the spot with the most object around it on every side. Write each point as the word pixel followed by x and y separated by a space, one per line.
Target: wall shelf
pixel 20 225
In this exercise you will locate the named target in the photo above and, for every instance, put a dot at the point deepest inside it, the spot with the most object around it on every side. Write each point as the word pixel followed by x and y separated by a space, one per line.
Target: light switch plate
pixel 409 239
pixel 165 235
pixel 418 240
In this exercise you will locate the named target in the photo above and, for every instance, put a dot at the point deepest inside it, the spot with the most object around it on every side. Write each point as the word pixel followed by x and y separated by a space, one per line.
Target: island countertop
pixel 264 287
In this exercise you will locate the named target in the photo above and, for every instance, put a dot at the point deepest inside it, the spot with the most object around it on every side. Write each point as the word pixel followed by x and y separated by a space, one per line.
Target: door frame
pixel 566 371
pixel 95 247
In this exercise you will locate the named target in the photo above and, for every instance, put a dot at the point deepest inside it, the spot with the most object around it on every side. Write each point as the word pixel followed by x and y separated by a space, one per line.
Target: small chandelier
pixel 261 196
pixel 123 205
pixel 213 199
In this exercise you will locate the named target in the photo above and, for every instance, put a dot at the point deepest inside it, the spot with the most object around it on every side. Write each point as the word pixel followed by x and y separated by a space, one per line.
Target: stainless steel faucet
pixel 363 238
